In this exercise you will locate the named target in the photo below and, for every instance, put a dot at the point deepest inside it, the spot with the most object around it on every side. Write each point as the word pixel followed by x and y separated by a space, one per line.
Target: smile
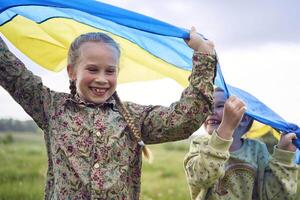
pixel 212 122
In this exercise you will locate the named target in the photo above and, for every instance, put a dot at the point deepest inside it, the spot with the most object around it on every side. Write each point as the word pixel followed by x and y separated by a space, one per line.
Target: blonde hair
pixel 133 129
pixel 74 50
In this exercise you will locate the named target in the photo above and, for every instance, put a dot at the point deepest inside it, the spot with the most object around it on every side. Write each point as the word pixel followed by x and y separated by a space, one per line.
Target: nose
pixel 101 79
pixel 213 111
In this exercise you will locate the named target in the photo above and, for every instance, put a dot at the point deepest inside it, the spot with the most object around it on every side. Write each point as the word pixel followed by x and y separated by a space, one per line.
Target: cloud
pixel 9 108
pixel 269 72
pixel 230 24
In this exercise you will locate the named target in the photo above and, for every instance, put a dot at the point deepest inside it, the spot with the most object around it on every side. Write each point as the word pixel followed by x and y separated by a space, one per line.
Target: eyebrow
pixel 94 65
pixel 218 102
pixel 113 66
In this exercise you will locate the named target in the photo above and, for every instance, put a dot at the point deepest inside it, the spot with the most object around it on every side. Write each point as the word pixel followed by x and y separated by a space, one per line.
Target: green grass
pixel 23 166
pixel 165 179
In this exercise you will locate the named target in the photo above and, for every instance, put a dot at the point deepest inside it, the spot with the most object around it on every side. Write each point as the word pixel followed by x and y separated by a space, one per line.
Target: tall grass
pixel 165 179
pixel 22 168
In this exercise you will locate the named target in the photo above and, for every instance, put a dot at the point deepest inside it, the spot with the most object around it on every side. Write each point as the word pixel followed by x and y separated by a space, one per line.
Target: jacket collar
pixel 80 102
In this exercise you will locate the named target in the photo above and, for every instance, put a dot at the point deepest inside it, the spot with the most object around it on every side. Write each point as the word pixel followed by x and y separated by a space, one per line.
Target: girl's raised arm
pixel 162 124
pixel 23 86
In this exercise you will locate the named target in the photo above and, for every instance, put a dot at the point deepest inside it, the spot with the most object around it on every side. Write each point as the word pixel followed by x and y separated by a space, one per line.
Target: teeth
pixel 98 90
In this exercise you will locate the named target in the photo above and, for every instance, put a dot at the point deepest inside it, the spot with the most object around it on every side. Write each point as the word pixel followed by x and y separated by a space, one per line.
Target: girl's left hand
pixel 197 43
pixel 285 142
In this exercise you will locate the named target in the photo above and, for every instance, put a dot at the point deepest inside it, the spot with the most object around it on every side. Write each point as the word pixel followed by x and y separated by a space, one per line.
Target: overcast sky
pixel 258 44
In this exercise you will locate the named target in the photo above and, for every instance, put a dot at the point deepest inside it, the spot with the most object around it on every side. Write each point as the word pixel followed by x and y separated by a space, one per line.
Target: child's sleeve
pixel 281 176
pixel 162 124
pixel 204 164
pixel 23 86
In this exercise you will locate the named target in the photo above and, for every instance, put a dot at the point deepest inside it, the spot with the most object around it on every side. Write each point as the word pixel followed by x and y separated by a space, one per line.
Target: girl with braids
pixel 94 140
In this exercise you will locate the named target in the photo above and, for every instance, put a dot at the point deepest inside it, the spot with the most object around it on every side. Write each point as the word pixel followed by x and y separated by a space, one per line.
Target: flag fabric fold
pixel 151 49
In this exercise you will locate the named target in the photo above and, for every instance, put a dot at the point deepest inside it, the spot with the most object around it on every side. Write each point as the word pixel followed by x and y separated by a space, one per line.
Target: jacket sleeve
pixel 26 89
pixel 280 176
pixel 162 124
pixel 205 163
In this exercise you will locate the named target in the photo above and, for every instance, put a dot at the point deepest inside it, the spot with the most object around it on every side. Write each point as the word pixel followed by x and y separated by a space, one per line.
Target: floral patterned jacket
pixel 91 154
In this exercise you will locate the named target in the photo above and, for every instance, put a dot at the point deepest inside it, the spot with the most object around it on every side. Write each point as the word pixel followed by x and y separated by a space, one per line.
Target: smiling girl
pixel 223 165
pixel 94 140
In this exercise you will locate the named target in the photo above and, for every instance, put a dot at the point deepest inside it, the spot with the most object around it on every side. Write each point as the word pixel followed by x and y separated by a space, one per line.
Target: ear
pixel 71 72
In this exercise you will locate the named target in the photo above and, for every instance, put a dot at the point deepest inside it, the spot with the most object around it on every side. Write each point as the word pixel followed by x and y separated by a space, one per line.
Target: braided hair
pixel 132 127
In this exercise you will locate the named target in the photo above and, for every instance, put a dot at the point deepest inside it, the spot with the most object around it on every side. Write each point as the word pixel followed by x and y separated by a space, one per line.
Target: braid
pixel 133 129
pixel 72 87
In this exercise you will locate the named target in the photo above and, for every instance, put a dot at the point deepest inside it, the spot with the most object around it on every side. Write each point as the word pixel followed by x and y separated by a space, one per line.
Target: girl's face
pixel 95 72
pixel 214 120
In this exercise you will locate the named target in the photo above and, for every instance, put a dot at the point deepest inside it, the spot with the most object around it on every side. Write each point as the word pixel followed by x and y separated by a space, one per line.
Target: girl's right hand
pixel 286 142
pixel 197 43
pixel 234 109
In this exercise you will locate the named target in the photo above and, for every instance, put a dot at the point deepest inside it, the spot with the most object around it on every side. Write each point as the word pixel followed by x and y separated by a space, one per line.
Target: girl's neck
pixel 237 141
pixel 236 144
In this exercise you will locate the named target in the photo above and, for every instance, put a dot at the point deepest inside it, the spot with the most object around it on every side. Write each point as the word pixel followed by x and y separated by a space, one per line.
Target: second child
pixel 223 165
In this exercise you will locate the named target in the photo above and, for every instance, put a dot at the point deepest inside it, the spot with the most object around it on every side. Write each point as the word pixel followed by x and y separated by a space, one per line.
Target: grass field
pixel 23 166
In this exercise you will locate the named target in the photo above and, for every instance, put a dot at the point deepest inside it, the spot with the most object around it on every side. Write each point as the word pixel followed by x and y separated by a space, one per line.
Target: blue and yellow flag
pixel 43 30
pixel 151 49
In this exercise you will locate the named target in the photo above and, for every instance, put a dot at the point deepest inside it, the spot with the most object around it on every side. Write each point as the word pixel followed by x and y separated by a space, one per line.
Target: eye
pixel 111 71
pixel 219 106
pixel 92 69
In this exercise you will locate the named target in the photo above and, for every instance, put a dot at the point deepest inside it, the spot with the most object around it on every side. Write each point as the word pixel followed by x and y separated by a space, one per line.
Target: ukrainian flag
pixel 43 30
pixel 151 49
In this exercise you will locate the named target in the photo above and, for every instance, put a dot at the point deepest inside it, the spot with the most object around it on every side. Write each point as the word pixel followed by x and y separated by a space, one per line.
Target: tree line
pixel 18 125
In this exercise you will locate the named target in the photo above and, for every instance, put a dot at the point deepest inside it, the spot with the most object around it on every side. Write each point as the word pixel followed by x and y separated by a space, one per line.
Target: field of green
pixel 23 167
